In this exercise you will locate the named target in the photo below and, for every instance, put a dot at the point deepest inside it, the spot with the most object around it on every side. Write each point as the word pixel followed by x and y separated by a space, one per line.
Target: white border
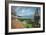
pixel 25 29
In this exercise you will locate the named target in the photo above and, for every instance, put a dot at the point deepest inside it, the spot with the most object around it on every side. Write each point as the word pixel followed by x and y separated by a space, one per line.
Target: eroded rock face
pixel 16 23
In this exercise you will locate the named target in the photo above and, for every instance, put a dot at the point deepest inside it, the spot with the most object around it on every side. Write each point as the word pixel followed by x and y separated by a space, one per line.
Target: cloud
pixel 23 11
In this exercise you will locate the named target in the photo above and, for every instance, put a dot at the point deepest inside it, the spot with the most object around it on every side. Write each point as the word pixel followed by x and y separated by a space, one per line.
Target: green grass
pixel 28 25
pixel 22 19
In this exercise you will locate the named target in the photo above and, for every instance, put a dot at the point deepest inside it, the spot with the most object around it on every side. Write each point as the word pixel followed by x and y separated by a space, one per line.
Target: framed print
pixel 25 17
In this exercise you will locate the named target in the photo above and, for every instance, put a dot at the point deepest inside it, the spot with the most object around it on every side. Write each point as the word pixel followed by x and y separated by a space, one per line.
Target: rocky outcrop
pixel 15 23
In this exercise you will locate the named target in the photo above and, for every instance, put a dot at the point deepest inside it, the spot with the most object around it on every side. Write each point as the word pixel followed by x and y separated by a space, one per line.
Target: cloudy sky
pixel 24 11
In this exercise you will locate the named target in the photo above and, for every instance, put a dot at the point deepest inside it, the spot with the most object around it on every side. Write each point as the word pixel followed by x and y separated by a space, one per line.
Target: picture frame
pixel 24 6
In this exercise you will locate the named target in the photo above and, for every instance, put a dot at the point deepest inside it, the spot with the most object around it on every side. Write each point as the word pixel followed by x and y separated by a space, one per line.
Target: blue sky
pixel 25 11
pixel 22 11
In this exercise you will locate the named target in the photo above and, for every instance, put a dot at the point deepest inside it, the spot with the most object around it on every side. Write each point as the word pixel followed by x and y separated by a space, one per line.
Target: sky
pixel 24 12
